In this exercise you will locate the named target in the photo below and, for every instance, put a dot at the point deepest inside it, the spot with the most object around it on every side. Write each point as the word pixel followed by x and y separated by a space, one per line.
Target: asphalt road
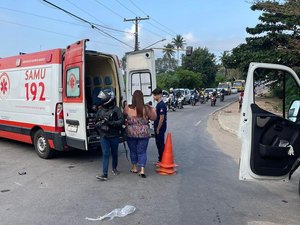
pixel 206 189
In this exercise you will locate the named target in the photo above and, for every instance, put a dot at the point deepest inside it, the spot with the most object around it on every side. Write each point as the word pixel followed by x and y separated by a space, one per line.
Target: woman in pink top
pixel 137 131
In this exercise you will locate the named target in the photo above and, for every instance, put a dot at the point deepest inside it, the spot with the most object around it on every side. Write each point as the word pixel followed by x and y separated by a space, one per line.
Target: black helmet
pixel 107 96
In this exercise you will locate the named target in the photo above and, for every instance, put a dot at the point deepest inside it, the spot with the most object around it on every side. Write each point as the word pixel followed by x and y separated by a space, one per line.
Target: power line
pixel 38 28
pixel 117 14
pixel 126 7
pixel 136 6
pixel 145 14
pixel 109 9
pixel 160 28
pixel 40 16
pixel 150 31
pixel 62 21
pixel 53 32
pixel 88 22
pixel 96 19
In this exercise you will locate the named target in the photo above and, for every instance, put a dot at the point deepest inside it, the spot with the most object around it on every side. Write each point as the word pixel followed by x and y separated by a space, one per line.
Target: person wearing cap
pixel 160 124
pixel 108 121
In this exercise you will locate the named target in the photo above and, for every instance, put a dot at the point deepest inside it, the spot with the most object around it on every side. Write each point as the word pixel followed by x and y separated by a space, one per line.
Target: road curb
pixel 223 107
pixel 218 113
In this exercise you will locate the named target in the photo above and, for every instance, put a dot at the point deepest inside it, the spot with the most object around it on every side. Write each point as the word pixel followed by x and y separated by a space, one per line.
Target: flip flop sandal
pixel 142 175
pixel 133 171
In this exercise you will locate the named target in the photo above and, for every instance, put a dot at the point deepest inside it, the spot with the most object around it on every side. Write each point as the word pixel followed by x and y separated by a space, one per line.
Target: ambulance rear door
pixel 74 104
pixel 140 74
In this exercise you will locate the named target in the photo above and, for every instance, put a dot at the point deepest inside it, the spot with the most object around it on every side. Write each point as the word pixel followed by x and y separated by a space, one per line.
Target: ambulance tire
pixel 41 145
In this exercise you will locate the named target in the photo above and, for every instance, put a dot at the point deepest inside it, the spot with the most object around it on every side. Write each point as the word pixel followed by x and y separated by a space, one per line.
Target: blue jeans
pixel 109 145
pixel 160 143
pixel 138 150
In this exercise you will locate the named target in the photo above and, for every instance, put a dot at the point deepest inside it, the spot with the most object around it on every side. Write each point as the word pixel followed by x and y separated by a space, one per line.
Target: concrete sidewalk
pixel 229 118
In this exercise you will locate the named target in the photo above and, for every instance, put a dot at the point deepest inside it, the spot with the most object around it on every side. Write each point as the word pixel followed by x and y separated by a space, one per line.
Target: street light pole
pixel 155 43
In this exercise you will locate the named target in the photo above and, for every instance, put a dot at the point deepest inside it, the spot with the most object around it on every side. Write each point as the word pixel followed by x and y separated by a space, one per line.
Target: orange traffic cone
pixel 166 166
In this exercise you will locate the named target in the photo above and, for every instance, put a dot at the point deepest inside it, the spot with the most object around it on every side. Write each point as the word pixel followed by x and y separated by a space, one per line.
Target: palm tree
pixel 168 54
pixel 179 43
pixel 168 51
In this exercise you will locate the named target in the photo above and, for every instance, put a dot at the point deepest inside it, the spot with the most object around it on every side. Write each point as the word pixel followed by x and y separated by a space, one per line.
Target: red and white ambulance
pixel 47 98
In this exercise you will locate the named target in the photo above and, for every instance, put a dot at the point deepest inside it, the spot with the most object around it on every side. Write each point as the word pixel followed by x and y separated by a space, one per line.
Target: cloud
pixel 213 43
pixel 190 38
pixel 129 35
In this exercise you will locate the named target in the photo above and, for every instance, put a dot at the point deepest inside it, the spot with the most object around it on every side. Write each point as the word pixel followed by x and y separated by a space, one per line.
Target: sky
pixel 33 25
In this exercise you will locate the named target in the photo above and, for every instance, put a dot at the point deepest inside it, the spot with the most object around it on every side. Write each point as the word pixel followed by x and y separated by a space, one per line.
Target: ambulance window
pixel 73 89
pixel 275 91
pixel 141 81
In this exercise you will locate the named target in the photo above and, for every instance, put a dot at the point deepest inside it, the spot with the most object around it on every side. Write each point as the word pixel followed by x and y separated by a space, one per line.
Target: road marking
pixel 196 124
pixel 18 184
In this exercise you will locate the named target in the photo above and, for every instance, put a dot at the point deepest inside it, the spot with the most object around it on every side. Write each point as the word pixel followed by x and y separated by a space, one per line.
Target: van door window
pixel 73 88
pixel 274 91
pixel 141 81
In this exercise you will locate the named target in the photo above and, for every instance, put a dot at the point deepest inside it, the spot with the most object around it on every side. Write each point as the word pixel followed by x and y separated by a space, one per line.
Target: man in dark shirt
pixel 160 124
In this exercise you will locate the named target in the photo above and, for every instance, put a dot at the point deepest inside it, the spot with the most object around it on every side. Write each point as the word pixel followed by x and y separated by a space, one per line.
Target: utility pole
pixel 136 19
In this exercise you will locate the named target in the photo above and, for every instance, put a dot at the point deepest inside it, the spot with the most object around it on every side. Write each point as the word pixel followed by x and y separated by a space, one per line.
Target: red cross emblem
pixel 4 86
pixel 72 81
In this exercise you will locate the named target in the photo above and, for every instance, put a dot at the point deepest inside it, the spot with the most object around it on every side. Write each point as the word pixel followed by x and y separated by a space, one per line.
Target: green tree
pixel 179 78
pixel 166 80
pixel 201 62
pixel 168 59
pixel 276 39
pixel 164 65
pixel 178 43
pixel 188 79
pixel 168 51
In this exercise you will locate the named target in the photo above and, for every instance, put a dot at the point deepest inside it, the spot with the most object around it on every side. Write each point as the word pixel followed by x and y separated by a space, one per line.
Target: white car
pixel 269 127
pixel 185 92
pixel 234 90
pixel 165 96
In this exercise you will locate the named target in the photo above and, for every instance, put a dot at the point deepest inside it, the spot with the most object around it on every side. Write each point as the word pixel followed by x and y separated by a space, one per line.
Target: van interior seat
pixel 88 90
pixel 88 81
pixel 96 90
pixel 108 81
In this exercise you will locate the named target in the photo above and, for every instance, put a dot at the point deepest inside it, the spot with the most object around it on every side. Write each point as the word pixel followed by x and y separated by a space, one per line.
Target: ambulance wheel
pixel 41 145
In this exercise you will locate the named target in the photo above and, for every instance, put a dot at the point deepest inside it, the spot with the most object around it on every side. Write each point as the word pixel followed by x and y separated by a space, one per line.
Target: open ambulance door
pixel 140 74
pixel 270 123
pixel 74 103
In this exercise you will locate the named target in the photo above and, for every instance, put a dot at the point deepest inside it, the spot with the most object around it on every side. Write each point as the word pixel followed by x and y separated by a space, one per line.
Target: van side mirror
pixel 293 112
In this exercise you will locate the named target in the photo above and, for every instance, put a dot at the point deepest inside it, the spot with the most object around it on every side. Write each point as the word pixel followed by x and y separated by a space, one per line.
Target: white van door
pixel 140 74
pixel 270 123
pixel 74 96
